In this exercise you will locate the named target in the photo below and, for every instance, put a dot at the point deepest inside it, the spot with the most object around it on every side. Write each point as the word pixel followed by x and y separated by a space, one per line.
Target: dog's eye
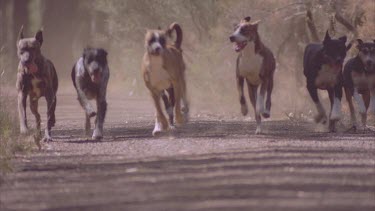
pixel 152 40
pixel 162 41
pixel 242 31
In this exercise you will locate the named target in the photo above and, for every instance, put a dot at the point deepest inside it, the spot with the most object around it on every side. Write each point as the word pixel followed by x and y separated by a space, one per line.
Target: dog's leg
pixel 87 126
pixel 333 111
pixel 371 106
pixel 34 111
pixel 161 123
pixel 321 117
pixel 366 96
pixel 101 104
pixel 83 100
pixel 169 104
pixel 177 93
pixel 253 91
pixel 240 83
pixel 349 99
pixel 361 105
pixel 267 113
pixel 22 111
pixel 51 107
pixel 260 98
pixel 185 109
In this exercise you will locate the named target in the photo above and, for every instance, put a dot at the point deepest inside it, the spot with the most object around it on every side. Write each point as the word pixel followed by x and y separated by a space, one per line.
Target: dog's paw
pixel 244 109
pixel 24 130
pixel 158 129
pixel 258 131
pixel 320 118
pixel 266 114
pixel 47 139
pixel 97 135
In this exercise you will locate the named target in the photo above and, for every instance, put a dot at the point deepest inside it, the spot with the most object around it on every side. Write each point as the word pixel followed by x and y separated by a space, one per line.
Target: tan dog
pixel 163 70
pixel 255 64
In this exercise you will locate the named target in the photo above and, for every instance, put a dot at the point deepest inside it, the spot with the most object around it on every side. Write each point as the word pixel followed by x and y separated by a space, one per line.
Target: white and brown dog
pixel 255 64
pixel 163 70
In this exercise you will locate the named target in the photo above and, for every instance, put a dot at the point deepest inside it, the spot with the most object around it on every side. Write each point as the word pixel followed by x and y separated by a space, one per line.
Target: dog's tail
pixel 176 27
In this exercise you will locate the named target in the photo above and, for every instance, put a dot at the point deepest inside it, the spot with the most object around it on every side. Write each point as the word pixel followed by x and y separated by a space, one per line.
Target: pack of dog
pixel 163 70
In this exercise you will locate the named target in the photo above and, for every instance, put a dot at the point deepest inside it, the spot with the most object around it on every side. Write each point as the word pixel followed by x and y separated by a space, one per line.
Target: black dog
pixel 359 79
pixel 90 78
pixel 322 65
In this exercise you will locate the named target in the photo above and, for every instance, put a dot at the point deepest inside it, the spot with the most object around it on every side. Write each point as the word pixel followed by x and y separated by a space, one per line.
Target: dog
pixel 322 65
pixel 90 75
pixel 359 79
pixel 36 77
pixel 255 64
pixel 163 69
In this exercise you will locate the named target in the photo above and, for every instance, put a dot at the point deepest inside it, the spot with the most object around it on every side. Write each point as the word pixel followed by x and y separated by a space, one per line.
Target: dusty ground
pixel 213 163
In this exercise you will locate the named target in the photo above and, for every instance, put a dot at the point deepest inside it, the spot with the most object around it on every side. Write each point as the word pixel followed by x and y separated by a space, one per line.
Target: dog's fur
pixel 255 64
pixel 359 79
pixel 323 70
pixel 90 76
pixel 36 78
pixel 163 71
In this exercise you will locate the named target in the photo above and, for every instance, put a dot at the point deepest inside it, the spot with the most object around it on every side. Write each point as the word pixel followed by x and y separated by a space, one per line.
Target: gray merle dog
pixel 36 77
pixel 90 78
pixel 322 65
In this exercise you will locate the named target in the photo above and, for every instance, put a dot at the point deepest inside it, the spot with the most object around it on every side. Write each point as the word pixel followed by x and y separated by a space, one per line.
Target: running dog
pixel 163 71
pixel 90 77
pixel 359 79
pixel 36 77
pixel 255 64
pixel 322 65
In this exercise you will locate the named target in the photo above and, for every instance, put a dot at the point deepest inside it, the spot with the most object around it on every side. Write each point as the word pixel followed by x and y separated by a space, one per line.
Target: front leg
pixel 82 98
pixel 161 123
pixel 22 96
pixel 101 103
pixel 240 82
pixel 313 91
pixel 51 120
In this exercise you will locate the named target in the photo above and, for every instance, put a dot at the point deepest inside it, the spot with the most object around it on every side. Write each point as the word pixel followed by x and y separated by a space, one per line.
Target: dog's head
pixel 334 50
pixel 244 32
pixel 28 49
pixel 367 54
pixel 155 41
pixel 95 61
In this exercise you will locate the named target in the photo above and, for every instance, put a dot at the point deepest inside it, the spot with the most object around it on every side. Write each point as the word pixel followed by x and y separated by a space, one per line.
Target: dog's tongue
pixel 32 68
pixel 336 67
pixel 239 46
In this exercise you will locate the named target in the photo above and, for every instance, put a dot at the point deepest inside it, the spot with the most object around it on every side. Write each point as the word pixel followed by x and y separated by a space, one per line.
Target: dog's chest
pixel 159 77
pixel 250 65
pixel 363 82
pixel 37 86
pixel 327 76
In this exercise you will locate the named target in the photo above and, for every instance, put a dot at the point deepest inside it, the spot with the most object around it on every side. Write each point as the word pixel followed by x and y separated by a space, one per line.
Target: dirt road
pixel 213 163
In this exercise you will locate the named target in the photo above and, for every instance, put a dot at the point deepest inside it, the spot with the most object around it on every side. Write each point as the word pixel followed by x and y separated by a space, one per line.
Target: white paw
pixel 24 130
pixel 258 130
pixel 336 110
pixel 157 129
pixel 97 135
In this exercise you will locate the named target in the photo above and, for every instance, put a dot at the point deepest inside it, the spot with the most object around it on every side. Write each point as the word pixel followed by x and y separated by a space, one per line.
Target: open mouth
pixel 95 78
pixel 238 46
pixel 336 67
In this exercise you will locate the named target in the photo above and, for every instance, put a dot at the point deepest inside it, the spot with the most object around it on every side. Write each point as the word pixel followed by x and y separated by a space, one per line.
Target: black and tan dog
pixel 90 77
pixel 36 78
pixel 359 79
pixel 163 71
pixel 322 65
pixel 255 64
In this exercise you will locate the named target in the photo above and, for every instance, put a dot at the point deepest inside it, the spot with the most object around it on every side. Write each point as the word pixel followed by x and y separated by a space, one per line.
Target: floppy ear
pixel 327 38
pixel 20 34
pixel 85 50
pixel 247 19
pixel 39 37
pixel 360 42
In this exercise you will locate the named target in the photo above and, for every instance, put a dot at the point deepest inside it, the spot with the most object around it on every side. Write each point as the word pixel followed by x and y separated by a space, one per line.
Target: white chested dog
pixel 163 70
pixel 256 65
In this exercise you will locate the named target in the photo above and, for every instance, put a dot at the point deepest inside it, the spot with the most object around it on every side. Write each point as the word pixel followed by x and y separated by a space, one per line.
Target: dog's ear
pixel 327 39
pixel 360 43
pixel 343 39
pixel 85 52
pixel 39 37
pixel 247 19
pixel 20 34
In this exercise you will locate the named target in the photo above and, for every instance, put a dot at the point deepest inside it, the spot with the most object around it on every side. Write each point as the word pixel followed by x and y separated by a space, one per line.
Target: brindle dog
pixel 90 77
pixel 359 79
pixel 36 78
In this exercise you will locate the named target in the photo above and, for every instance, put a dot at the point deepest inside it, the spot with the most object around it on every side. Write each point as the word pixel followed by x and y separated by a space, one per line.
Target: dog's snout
pixel 158 49
pixel 232 38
